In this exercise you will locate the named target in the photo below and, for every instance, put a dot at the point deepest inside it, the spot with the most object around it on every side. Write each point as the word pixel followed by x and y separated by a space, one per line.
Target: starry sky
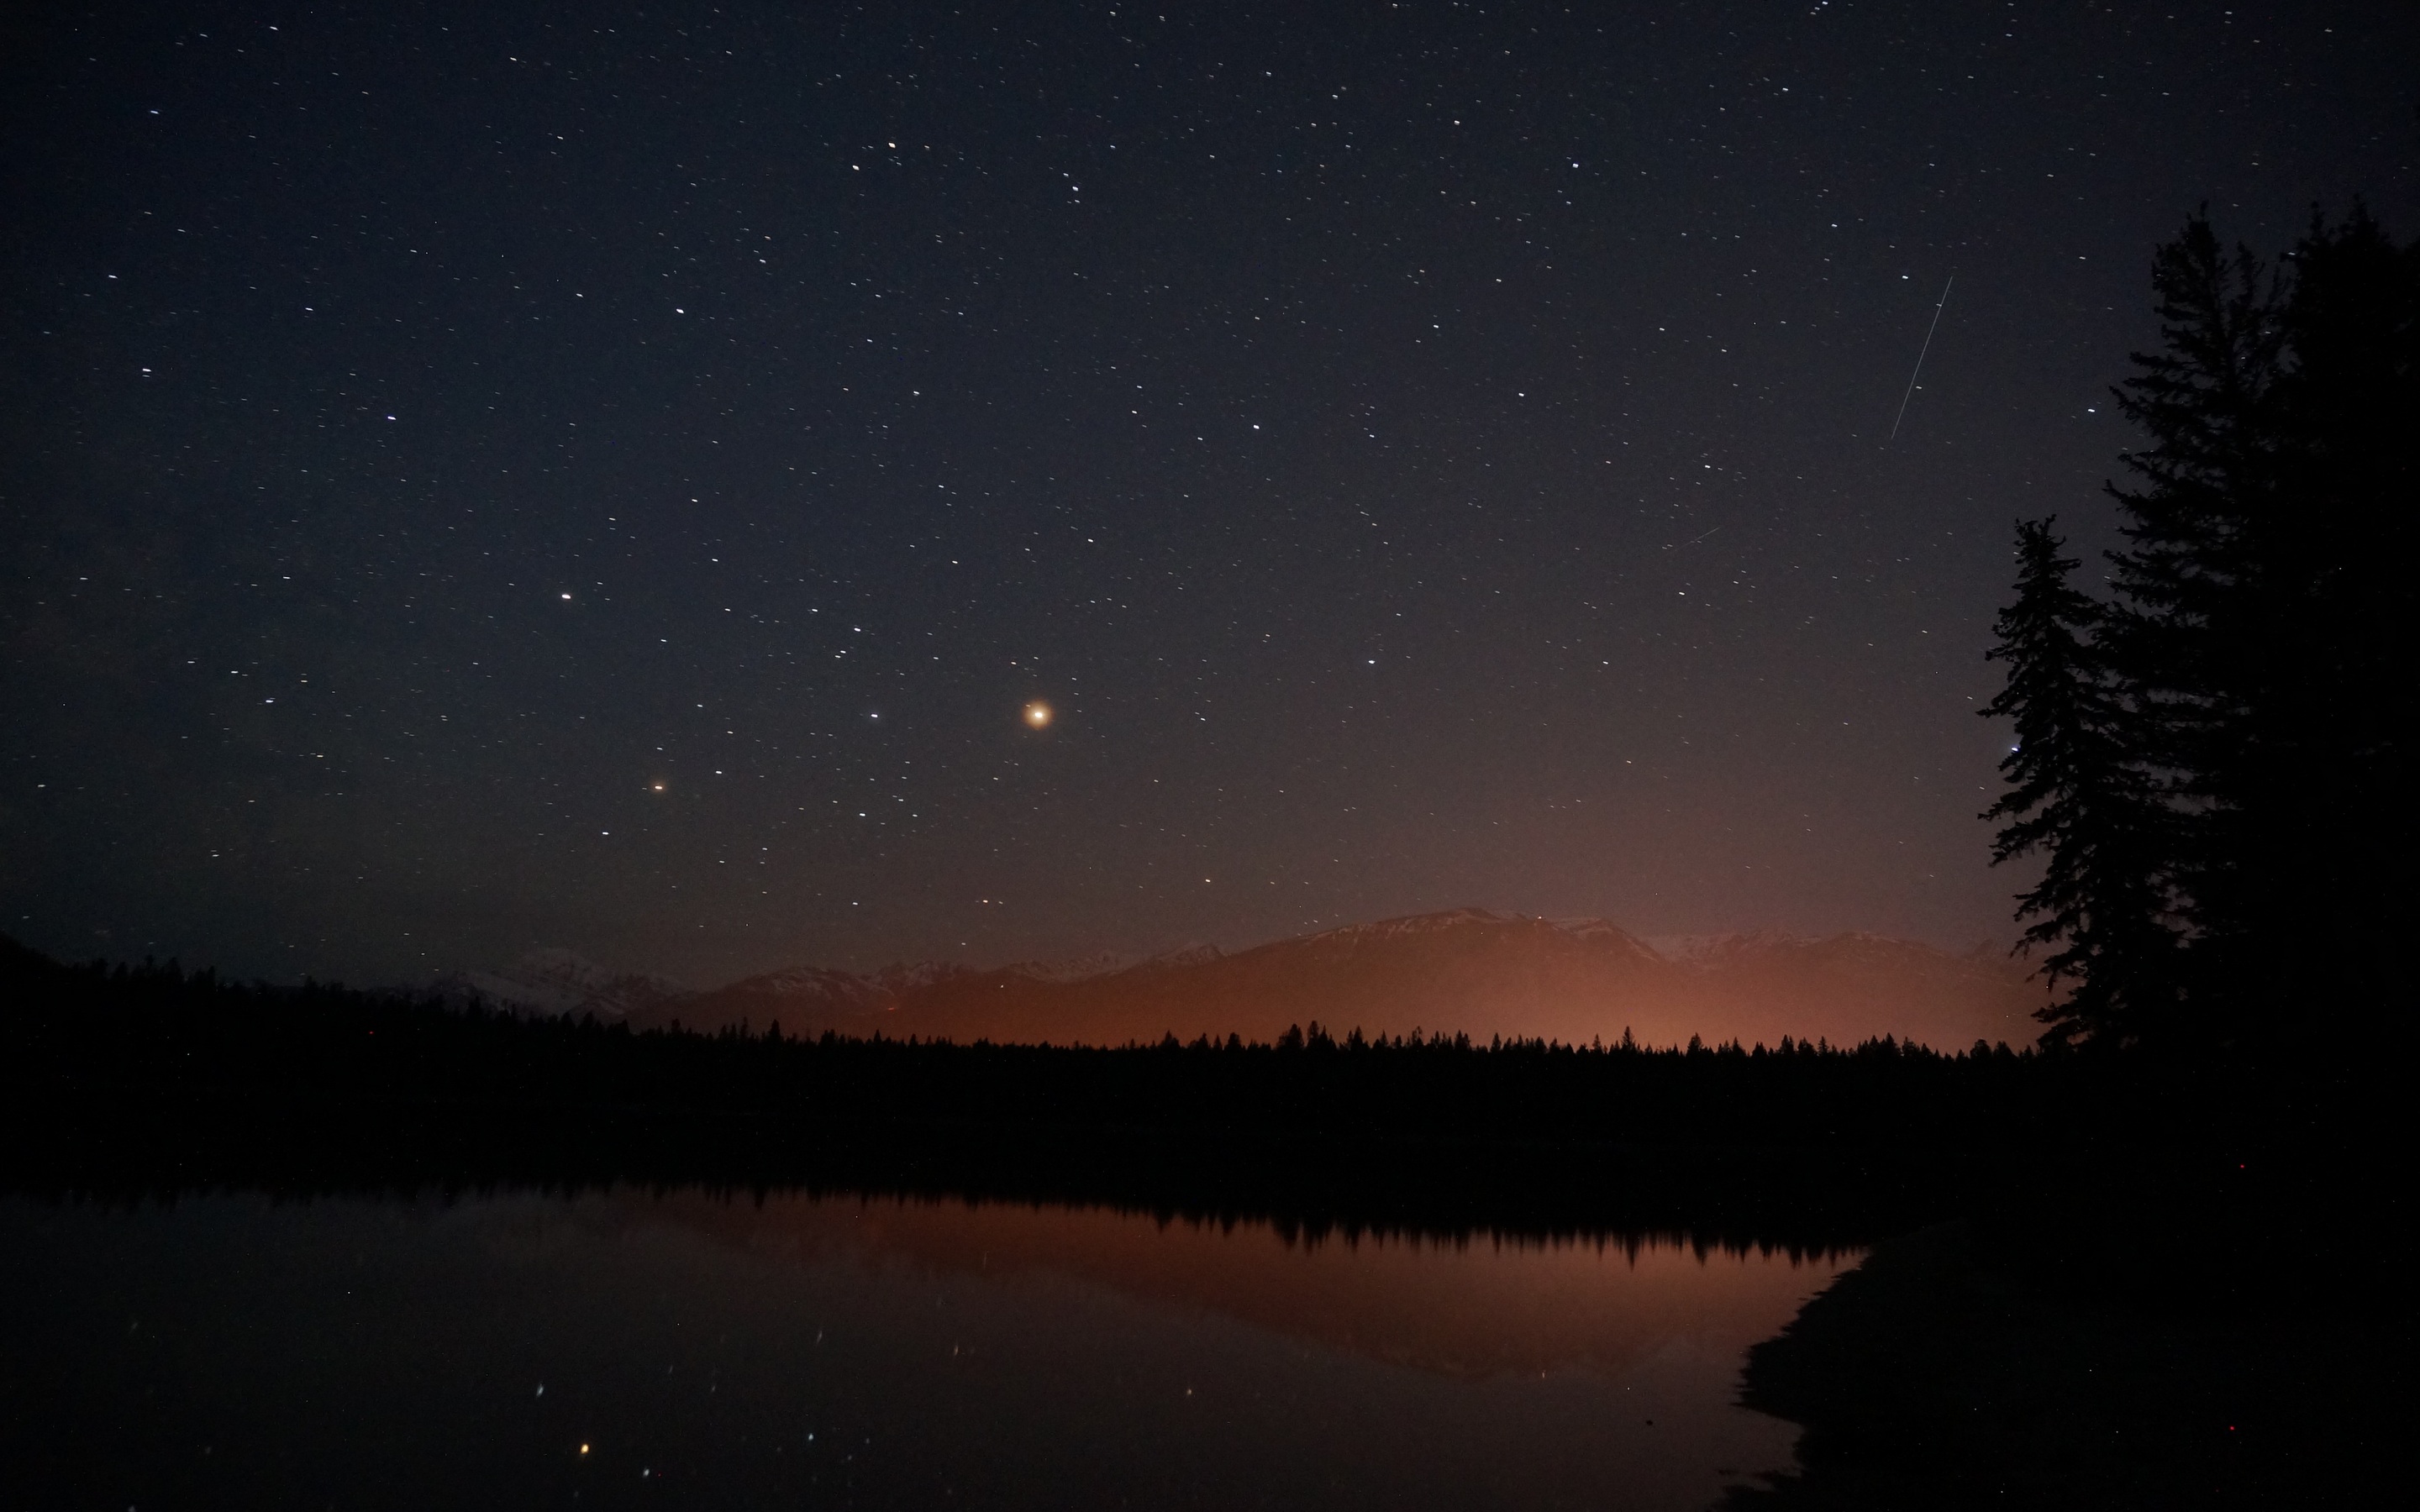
pixel 489 475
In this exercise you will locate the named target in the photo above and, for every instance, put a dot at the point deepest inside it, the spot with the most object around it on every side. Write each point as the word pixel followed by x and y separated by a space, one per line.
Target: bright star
pixel 1038 715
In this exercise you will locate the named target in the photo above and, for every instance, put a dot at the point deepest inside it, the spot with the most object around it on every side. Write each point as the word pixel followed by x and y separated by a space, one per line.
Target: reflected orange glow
pixel 1484 1308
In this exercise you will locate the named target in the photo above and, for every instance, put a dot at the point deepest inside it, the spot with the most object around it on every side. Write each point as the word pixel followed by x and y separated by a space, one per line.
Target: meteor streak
pixel 1920 361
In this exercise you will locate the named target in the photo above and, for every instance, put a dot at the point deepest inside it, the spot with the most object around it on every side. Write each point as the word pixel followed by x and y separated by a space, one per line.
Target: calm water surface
pixel 685 1351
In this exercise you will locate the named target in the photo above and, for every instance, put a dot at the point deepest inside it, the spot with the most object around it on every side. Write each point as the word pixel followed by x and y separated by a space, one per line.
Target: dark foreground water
pixel 688 1351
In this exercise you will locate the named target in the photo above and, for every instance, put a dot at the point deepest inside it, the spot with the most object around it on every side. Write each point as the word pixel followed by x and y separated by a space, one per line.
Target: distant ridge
pixel 558 984
pixel 1464 971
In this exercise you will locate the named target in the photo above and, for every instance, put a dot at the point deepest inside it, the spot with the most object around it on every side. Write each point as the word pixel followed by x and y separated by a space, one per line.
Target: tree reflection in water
pixel 880 1351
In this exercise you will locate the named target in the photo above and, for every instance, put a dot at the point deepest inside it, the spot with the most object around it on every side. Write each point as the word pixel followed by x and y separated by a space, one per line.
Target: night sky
pixel 613 476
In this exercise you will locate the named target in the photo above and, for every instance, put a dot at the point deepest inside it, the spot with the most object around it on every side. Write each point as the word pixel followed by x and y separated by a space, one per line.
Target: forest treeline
pixel 2212 732
pixel 145 1077
pixel 157 1029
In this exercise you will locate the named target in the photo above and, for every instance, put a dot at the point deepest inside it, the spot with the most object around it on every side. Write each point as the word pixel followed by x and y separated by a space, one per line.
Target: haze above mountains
pixel 1466 971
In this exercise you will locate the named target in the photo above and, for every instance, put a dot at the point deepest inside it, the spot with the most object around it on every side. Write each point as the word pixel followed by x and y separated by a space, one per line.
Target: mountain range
pixel 1465 971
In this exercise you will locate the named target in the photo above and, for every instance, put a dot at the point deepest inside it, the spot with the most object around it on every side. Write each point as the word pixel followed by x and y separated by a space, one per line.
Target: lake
pixel 685 1348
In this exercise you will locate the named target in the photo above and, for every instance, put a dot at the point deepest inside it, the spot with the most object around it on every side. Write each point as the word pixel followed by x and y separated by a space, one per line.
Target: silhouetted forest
pixel 2213 746
pixel 2104 1204
pixel 148 1077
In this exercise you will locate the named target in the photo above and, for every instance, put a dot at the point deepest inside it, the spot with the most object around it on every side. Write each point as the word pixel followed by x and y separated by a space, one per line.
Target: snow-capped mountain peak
pixel 554 984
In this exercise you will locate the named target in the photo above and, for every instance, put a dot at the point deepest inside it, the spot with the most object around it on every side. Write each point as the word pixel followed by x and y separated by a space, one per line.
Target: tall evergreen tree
pixel 2250 685
pixel 2184 637
pixel 2080 796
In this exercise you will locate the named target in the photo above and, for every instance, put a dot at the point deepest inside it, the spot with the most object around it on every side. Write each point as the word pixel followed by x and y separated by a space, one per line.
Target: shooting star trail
pixel 1920 361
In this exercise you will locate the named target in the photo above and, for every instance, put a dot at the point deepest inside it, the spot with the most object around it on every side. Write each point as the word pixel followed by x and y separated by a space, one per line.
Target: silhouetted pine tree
pixel 2183 638
pixel 2251 682
pixel 2270 604
pixel 2079 795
